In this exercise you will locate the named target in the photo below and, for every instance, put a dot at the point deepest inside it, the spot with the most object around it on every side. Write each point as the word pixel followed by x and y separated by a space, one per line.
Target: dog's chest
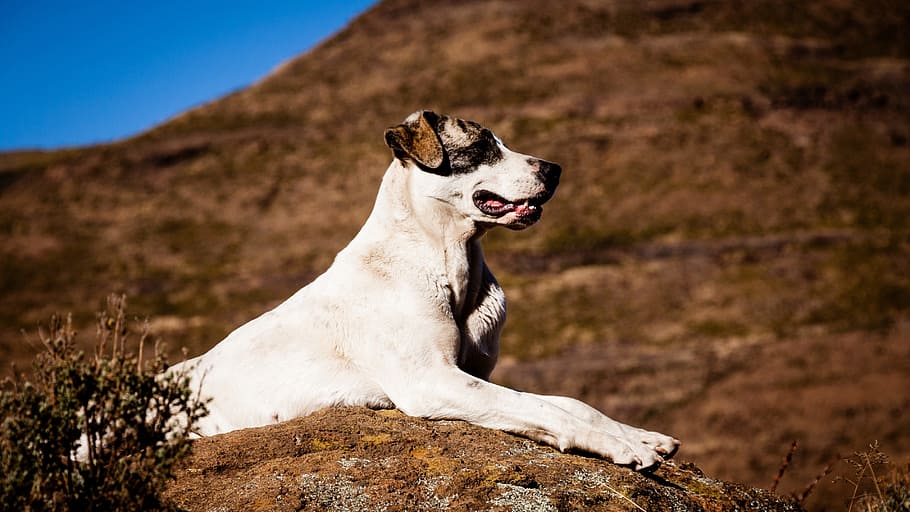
pixel 460 280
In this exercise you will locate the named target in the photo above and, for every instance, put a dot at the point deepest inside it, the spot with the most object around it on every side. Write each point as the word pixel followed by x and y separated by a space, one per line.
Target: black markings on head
pixel 468 146
pixel 444 145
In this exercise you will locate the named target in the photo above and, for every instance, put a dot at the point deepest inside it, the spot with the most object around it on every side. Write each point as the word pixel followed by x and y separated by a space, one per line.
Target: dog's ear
pixel 417 139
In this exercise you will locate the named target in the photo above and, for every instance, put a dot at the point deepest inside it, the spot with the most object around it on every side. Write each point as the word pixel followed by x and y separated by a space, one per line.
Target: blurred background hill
pixel 727 258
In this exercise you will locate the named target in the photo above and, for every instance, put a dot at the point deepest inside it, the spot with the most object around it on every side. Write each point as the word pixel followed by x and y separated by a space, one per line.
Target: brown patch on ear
pixel 417 140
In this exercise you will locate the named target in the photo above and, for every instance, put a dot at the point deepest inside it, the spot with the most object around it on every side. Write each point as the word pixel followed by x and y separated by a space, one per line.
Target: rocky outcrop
pixel 359 459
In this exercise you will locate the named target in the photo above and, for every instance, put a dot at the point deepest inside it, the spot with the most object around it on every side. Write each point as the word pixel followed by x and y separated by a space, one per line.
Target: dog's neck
pixel 430 223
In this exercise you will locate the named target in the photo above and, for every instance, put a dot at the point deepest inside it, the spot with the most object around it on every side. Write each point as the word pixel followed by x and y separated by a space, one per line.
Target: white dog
pixel 409 315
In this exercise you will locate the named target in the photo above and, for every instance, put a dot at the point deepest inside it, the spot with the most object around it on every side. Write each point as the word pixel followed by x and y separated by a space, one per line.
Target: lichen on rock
pixel 384 460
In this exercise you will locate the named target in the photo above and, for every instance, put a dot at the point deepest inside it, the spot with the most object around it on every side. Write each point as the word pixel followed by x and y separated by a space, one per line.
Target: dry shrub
pixel 103 432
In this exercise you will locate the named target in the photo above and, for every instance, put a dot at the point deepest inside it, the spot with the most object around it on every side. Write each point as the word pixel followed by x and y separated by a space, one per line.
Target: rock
pixel 358 459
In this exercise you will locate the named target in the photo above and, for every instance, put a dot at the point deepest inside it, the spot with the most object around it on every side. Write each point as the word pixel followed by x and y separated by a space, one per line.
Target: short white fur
pixel 407 316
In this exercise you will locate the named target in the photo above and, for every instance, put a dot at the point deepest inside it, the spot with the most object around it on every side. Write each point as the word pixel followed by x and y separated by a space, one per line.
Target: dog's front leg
pixel 445 392
pixel 665 445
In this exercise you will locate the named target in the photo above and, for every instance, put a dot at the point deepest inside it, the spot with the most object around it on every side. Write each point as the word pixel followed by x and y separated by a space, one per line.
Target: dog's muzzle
pixel 527 210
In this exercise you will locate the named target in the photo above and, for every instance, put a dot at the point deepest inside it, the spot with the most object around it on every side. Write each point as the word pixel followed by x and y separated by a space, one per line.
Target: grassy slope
pixel 737 174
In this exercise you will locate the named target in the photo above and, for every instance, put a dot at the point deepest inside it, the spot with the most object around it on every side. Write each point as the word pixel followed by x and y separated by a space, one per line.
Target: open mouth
pixel 528 209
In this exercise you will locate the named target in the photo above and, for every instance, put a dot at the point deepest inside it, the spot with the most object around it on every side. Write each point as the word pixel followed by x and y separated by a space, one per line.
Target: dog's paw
pixel 649 449
pixel 664 445
pixel 623 451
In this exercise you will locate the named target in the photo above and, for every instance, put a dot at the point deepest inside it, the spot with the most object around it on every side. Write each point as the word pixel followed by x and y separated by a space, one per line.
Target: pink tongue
pixel 522 209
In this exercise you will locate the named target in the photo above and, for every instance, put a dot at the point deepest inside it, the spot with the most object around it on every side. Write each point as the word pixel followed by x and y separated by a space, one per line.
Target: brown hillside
pixel 728 253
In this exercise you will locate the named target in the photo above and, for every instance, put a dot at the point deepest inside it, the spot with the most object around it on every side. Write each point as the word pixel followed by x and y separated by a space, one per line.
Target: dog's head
pixel 464 165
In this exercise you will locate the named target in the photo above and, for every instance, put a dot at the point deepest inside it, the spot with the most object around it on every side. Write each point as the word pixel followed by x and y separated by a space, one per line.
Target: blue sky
pixel 83 72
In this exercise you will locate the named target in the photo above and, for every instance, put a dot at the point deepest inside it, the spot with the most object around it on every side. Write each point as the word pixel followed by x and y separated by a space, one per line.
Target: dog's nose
pixel 549 172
